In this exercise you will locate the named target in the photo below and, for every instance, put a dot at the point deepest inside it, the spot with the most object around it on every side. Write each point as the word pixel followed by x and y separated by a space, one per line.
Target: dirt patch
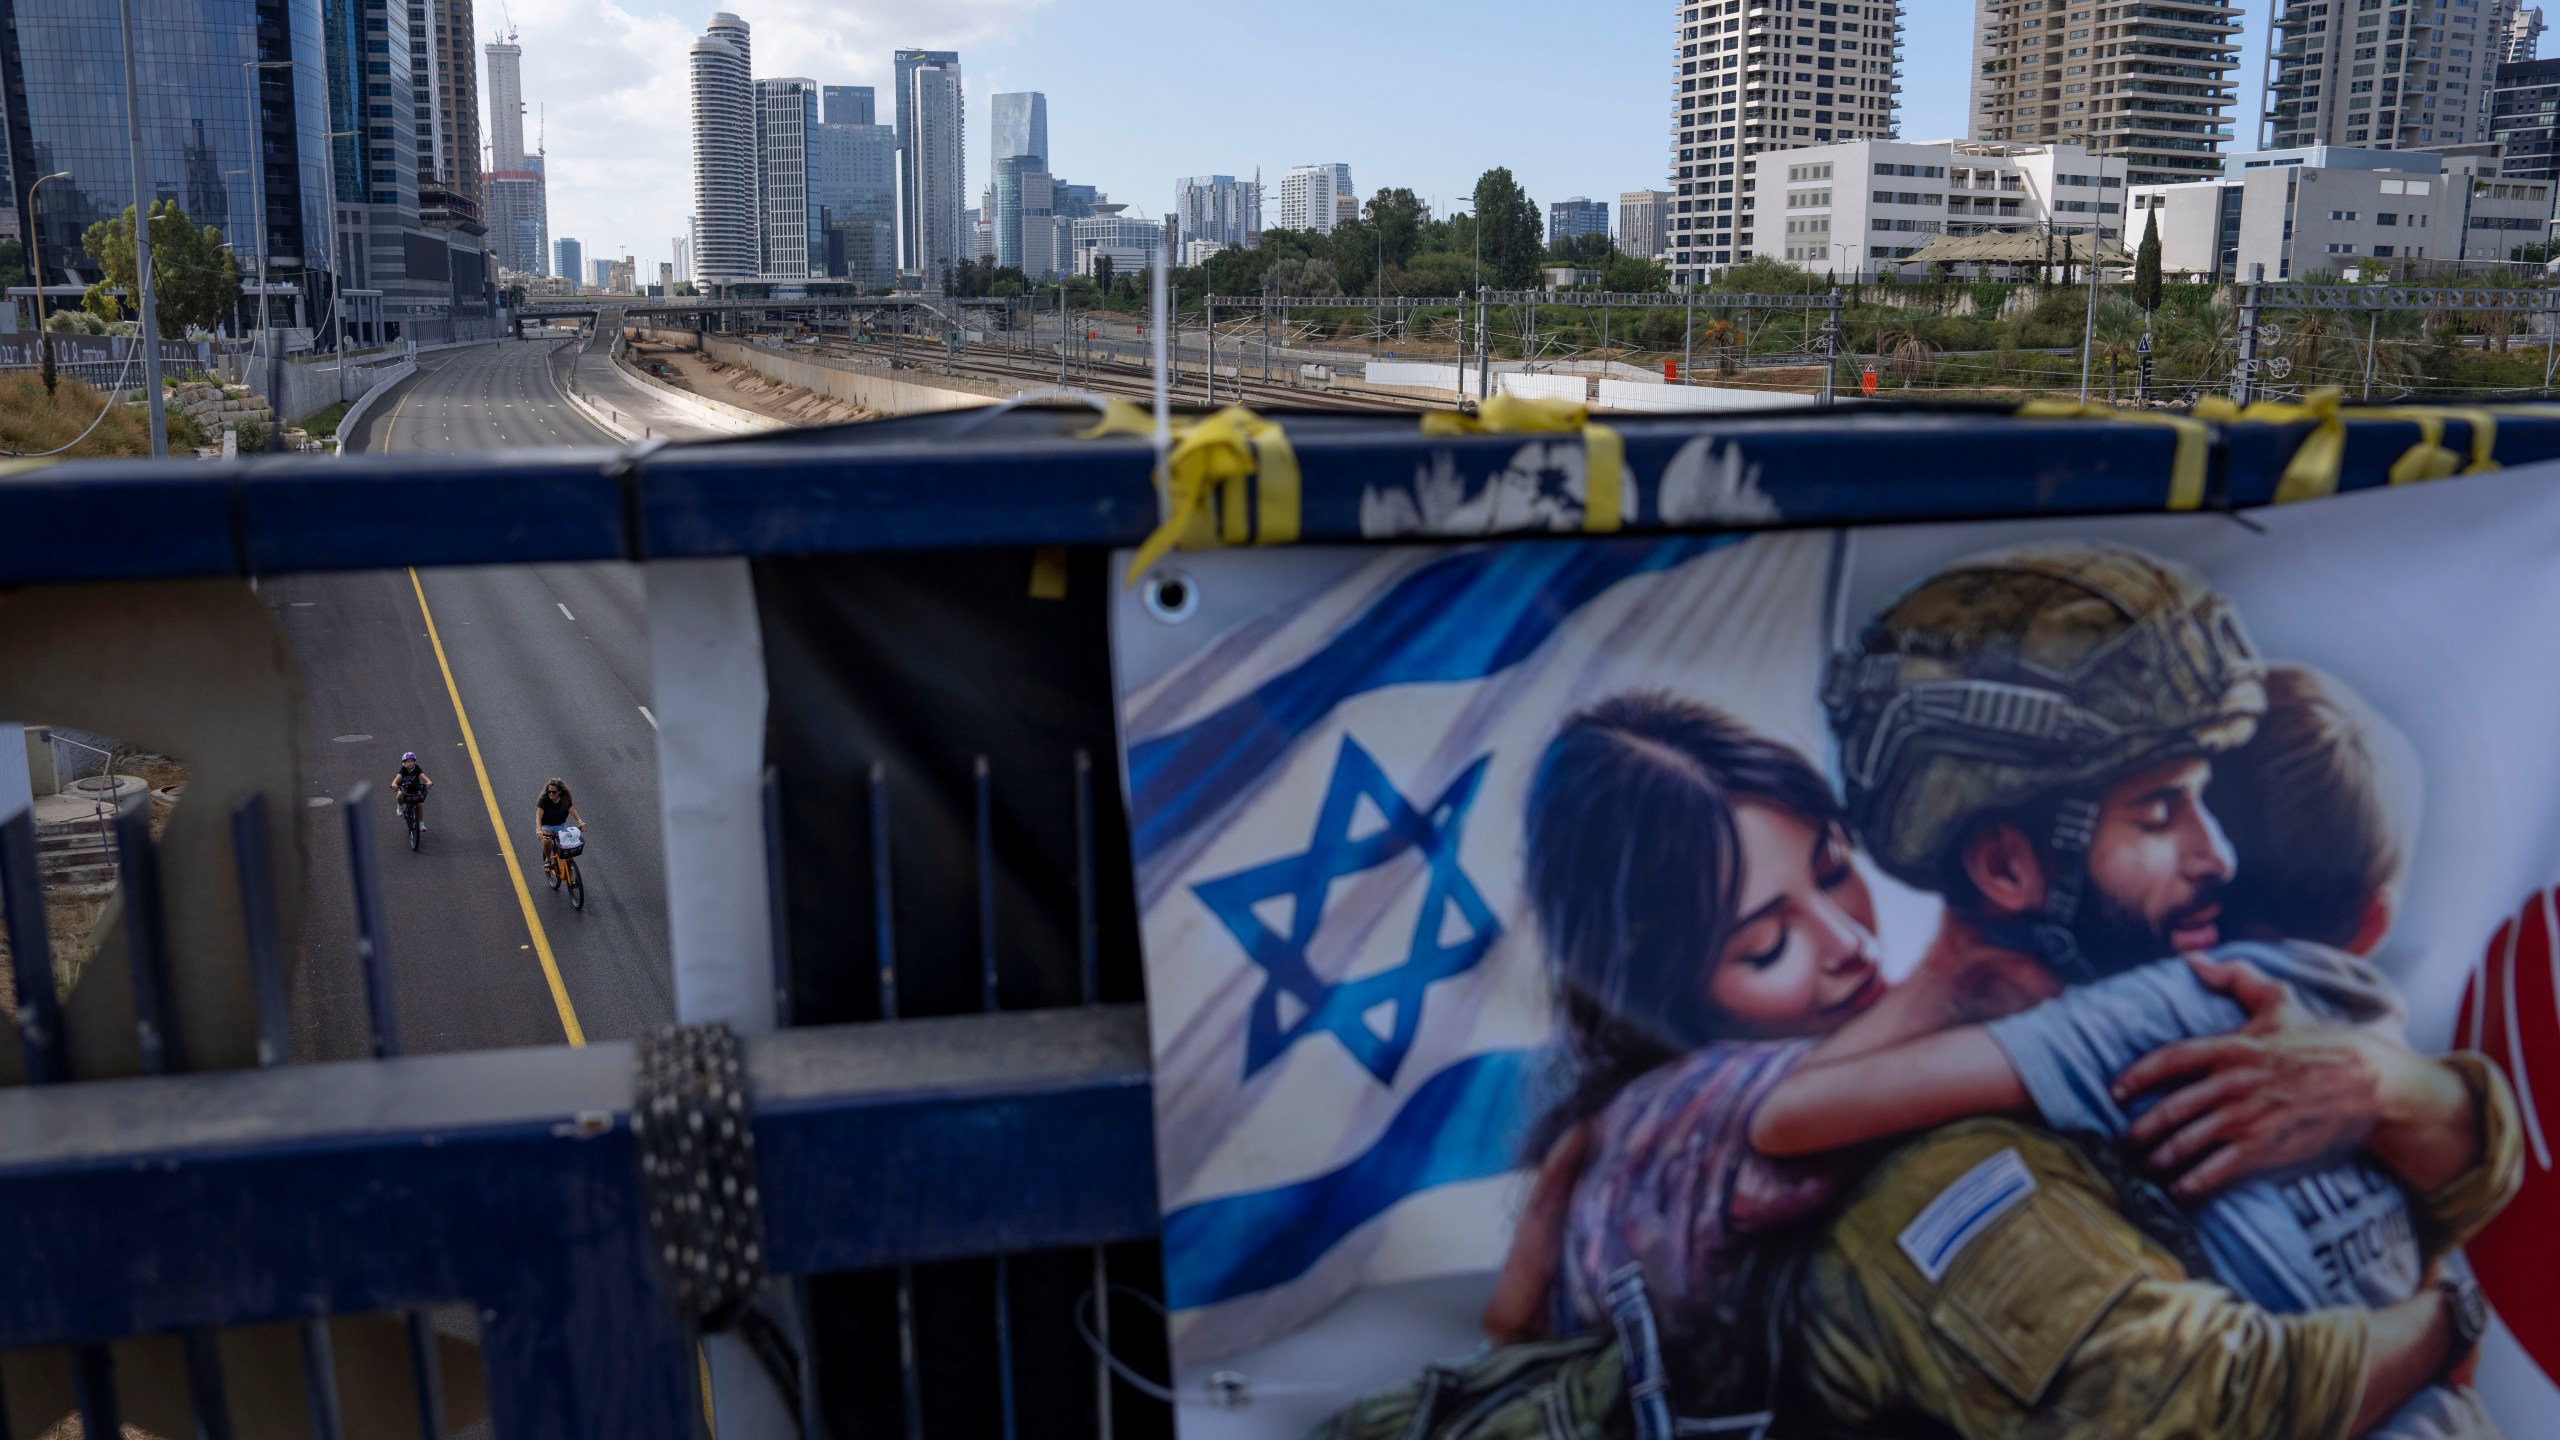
pixel 690 371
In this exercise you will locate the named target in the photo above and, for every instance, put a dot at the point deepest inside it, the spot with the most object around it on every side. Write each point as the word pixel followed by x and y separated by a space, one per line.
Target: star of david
pixel 1342 1009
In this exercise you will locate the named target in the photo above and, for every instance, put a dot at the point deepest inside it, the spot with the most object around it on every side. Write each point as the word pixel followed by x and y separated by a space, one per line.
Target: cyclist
pixel 552 810
pixel 410 784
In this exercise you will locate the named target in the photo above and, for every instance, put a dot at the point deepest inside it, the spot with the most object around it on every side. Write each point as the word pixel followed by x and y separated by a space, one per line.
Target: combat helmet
pixel 2038 671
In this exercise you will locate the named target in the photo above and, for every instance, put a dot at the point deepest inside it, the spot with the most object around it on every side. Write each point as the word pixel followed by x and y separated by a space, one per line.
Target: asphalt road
pixel 549 665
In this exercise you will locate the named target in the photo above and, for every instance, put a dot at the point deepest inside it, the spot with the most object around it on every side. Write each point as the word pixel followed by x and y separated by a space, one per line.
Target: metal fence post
pixel 2244 375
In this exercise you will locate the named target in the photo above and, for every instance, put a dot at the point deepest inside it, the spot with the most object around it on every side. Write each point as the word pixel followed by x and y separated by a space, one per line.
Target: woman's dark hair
pixel 556 783
pixel 1635 869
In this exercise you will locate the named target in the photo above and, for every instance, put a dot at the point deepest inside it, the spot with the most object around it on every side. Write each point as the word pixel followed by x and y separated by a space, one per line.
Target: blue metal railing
pixel 508 1181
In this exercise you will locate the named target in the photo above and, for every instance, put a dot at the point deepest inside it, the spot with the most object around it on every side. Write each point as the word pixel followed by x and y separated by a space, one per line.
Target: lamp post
pixel 258 173
pixel 147 330
pixel 35 267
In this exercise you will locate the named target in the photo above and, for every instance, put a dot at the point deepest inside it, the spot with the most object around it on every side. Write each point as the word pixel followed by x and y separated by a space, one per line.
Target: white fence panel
pixel 1683 399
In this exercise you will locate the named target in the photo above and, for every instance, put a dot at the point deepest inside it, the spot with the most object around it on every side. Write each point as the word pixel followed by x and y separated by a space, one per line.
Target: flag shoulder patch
pixel 1961 1213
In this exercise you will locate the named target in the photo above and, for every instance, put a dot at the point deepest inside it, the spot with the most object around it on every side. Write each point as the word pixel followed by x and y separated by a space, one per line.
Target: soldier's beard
pixel 2114 936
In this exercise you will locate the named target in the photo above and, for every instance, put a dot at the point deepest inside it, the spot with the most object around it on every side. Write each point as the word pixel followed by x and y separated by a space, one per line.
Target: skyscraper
pixel 2148 83
pixel 2525 119
pixel 1742 86
pixel 2392 79
pixel 786 123
pixel 1021 127
pixel 1311 197
pixel 1574 218
pixel 204 122
pixel 1640 217
pixel 2522 39
pixel 846 105
pixel 517 209
pixel 932 161
pixel 568 259
pixel 1218 208
pixel 912 180
pixel 853 184
pixel 447 88
pixel 727 246
pixel 404 230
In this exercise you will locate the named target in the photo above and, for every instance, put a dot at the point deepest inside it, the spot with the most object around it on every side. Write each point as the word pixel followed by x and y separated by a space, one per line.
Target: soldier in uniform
pixel 2028 735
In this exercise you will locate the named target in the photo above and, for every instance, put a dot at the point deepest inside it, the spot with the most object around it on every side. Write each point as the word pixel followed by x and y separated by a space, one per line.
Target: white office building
pixel 2329 209
pixel 1787 73
pixel 1131 243
pixel 1855 208
pixel 727 234
pixel 1315 197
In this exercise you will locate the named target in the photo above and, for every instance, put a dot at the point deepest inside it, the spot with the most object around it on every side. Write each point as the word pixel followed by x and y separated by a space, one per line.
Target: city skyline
pixel 605 71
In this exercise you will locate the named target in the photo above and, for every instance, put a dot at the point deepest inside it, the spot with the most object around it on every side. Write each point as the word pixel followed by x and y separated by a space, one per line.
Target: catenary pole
pixel 147 334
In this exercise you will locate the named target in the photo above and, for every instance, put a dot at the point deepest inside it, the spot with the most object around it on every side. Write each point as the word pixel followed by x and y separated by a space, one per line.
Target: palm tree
pixel 2194 346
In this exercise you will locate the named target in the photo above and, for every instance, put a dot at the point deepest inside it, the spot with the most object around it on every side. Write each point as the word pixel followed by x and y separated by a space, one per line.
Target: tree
pixel 1102 268
pixel 1627 274
pixel 1395 218
pixel 1513 238
pixel 195 280
pixel 2146 267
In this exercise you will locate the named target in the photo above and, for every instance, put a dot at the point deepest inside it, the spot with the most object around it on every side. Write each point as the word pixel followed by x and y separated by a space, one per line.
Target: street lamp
pixel 35 265
pixel 258 173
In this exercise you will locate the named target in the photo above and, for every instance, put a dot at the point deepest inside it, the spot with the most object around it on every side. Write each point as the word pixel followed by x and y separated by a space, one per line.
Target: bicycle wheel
pixel 577 887
pixel 552 868
pixel 410 814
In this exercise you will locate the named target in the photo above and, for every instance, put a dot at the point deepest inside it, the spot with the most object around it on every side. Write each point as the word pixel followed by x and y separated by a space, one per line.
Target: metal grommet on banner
pixel 1171 596
pixel 696 1129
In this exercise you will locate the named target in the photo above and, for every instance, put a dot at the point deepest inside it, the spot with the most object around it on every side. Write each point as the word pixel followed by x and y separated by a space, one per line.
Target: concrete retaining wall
pixel 383 380
pixel 843 380
pixel 718 414
pixel 1684 399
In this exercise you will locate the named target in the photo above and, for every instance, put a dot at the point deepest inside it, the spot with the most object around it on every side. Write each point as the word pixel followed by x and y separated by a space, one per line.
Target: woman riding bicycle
pixel 410 784
pixel 552 811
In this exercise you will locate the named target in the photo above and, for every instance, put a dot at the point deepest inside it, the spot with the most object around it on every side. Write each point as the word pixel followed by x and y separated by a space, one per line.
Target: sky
pixel 1575 99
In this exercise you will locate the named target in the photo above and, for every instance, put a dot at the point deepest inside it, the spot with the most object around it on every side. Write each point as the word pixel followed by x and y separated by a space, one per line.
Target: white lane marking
pixel 645 715
pixel 564 610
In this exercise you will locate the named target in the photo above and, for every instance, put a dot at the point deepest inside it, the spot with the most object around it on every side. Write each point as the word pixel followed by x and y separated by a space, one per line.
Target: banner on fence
pixel 1625 941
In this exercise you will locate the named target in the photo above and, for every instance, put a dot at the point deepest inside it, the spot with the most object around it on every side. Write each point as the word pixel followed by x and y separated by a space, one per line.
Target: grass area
pixel 31 422
pixel 323 423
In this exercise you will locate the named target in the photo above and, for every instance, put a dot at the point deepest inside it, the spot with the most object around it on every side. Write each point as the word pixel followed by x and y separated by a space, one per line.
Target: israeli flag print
pixel 1326 757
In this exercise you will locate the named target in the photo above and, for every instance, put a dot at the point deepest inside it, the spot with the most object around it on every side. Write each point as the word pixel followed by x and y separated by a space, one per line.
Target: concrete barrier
pixel 1411 375
pixel 384 379
pixel 1659 398
pixel 717 414
pixel 1561 387
pixel 843 380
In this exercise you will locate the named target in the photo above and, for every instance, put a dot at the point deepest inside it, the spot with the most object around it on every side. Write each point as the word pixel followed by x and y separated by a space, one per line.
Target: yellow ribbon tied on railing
pixel 2430 459
pixel 2186 462
pixel 2313 470
pixel 1604 450
pixel 1230 478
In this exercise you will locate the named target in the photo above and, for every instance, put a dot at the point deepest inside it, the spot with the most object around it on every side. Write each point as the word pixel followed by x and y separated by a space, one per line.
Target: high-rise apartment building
pixel 403 231
pixel 681 247
pixel 2384 75
pixel 2524 118
pixel 2145 80
pixel 933 179
pixel 2522 38
pixel 1312 197
pixel 1787 73
pixel 568 259
pixel 728 245
pixel 515 205
pixel 1022 203
pixel 933 162
pixel 1641 214
pixel 1573 218
pixel 793 243
pixel 1019 126
pixel 445 88
pixel 1218 208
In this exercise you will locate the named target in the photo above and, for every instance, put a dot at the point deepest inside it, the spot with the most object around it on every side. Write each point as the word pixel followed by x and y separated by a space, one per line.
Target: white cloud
pixel 607 88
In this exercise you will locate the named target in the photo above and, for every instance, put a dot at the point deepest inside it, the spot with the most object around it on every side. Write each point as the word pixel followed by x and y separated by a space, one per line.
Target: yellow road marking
pixel 506 847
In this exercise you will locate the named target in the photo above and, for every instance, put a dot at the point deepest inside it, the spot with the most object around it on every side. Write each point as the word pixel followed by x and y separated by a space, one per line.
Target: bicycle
pixel 413 814
pixel 566 847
